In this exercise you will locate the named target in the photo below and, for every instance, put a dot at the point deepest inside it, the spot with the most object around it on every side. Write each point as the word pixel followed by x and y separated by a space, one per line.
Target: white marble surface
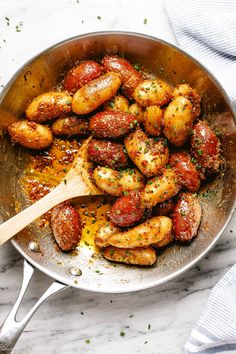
pixel 65 322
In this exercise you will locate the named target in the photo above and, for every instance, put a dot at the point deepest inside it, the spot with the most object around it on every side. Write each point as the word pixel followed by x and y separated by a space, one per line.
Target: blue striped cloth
pixel 206 29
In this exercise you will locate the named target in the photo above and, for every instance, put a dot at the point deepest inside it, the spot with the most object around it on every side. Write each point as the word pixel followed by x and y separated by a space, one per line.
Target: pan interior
pixel 217 196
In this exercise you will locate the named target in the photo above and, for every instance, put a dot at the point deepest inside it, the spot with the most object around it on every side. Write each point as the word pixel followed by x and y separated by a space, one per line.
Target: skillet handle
pixel 11 329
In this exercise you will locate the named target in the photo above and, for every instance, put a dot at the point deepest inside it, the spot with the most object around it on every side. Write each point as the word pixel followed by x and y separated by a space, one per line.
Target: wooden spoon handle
pixel 66 190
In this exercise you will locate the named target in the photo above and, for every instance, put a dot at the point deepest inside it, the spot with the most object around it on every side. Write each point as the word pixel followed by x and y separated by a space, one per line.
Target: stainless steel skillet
pixel 36 244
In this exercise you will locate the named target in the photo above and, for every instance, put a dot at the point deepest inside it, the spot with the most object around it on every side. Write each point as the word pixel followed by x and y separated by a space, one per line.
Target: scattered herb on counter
pixel 146 342
pixel 149 326
pixel 8 20
pixel 97 271
pixel 131 316
pixel 87 341
pixel 122 334
pixel 99 17
pixel 65 181
pixel 145 21
pixel 81 313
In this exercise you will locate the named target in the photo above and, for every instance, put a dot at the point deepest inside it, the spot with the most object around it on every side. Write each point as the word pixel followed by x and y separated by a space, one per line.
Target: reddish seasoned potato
pixel 92 95
pixel 152 120
pixel 81 75
pixel 193 96
pixel 112 124
pixel 186 217
pixel 137 111
pixel 205 148
pixel 136 256
pixel 149 156
pixel 186 170
pixel 164 209
pixel 130 76
pixel 161 188
pixel 30 134
pixel 118 103
pixel 116 183
pixel 66 226
pixel 152 92
pixel 148 233
pixel 70 126
pixel 127 209
pixel 107 153
pixel 178 120
pixel 49 105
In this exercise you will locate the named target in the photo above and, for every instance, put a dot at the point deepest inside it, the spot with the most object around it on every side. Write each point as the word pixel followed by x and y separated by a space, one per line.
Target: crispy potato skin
pixel 92 95
pixel 152 120
pixel 159 189
pixel 70 126
pixel 112 124
pixel 138 256
pixel 186 217
pixel 137 111
pixel 66 226
pixel 107 153
pixel 103 233
pixel 30 134
pixel 116 183
pixel 119 103
pixel 193 96
pixel 186 170
pixel 149 156
pixel 130 76
pixel 81 75
pixel 205 147
pixel 178 120
pixel 152 92
pixel 48 106
pixel 148 233
pixel 127 210
pixel 166 241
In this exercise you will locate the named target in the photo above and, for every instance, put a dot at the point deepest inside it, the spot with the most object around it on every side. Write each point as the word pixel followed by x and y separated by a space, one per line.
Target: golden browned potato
pixel 116 183
pixel 149 156
pixel 178 120
pixel 95 93
pixel 70 126
pixel 152 120
pixel 137 111
pixel 49 105
pixel 103 233
pixel 30 134
pixel 136 256
pixel 119 103
pixel 159 189
pixel 152 92
pixel 190 93
pixel 148 233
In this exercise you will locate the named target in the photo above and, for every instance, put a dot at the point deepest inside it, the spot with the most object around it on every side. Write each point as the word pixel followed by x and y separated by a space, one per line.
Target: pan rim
pixel 148 284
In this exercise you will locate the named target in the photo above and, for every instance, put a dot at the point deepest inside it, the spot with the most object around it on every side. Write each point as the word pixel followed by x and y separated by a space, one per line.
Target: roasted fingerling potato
pixel 193 96
pixel 70 126
pixel 152 92
pixel 48 106
pixel 152 120
pixel 148 233
pixel 137 111
pixel 92 95
pixel 178 120
pixel 161 188
pixel 103 233
pixel 149 156
pixel 117 182
pixel 30 134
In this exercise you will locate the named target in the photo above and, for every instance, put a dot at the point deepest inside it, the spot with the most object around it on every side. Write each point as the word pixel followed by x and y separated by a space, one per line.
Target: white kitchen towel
pixel 206 29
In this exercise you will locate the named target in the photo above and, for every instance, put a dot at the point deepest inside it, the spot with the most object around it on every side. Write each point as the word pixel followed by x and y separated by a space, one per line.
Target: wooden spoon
pixel 77 182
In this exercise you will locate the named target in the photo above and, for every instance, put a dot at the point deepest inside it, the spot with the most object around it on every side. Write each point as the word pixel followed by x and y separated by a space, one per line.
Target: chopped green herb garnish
pixel 99 17
pixel 122 334
pixel 87 341
pixel 145 21
pixel 199 152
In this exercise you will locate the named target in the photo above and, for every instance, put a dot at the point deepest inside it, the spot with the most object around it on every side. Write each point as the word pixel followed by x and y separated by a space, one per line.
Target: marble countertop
pixel 155 321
